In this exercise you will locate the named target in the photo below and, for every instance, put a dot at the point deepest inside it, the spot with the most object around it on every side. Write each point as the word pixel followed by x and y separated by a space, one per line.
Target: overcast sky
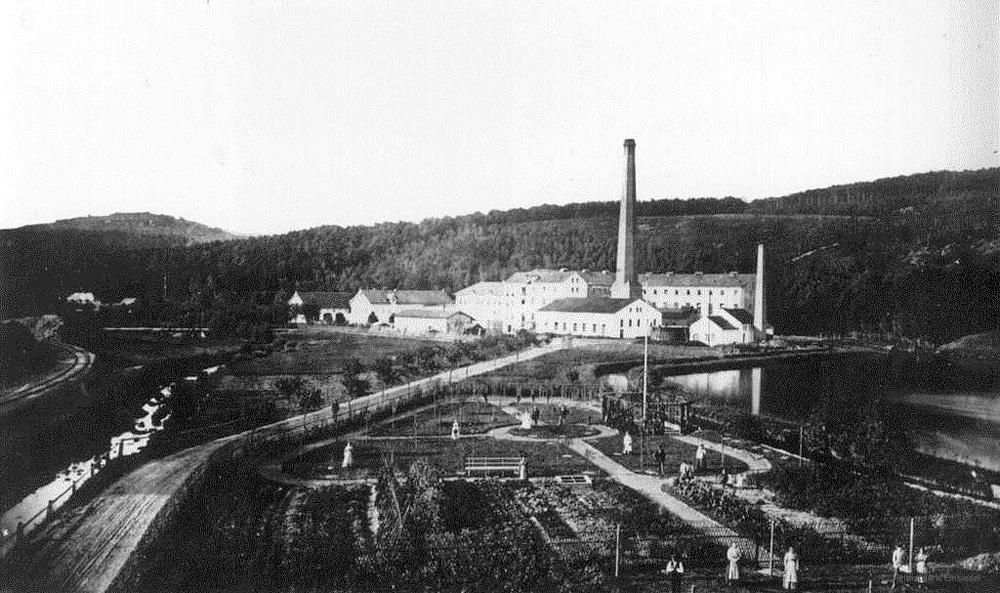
pixel 268 117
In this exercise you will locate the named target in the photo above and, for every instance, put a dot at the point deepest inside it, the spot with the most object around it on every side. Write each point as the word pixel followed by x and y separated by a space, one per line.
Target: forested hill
pixel 139 226
pixel 922 192
pixel 929 266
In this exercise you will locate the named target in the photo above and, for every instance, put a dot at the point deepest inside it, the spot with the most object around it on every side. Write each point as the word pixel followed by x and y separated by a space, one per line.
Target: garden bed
pixel 556 431
pixel 446 455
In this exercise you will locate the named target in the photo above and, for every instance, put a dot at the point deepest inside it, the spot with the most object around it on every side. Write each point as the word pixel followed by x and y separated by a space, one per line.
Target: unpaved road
pixel 73 363
pixel 86 548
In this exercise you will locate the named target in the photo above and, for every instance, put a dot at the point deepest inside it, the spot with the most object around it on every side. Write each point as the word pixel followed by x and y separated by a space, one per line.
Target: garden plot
pixel 442 453
pixel 549 413
pixel 676 453
pixel 243 533
pixel 474 417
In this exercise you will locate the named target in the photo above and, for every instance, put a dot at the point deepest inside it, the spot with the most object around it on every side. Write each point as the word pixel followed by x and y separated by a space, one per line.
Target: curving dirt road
pixel 73 364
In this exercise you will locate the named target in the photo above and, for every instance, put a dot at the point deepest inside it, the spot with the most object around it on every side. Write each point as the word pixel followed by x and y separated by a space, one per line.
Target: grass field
pixel 583 358
pixel 323 354
pixel 474 417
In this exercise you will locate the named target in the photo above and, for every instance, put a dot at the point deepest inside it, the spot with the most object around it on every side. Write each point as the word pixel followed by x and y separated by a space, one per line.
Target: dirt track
pixel 73 364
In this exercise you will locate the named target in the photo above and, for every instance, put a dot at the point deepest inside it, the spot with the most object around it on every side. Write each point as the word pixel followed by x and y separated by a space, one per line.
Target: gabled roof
pixel 720 280
pixel 406 297
pixel 422 297
pixel 721 322
pixel 325 299
pixel 430 314
pixel 81 296
pixel 598 278
pixel 540 275
pixel 495 288
pixel 561 275
pixel 679 316
pixel 741 315
pixel 590 305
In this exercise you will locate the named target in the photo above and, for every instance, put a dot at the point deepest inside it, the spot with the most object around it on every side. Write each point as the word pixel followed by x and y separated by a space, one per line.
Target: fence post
pixel 618 533
pixel 911 545
pixel 770 553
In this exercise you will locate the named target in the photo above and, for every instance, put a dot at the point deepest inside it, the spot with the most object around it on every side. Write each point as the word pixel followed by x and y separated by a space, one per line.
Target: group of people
pixel 919 564
pixel 675 569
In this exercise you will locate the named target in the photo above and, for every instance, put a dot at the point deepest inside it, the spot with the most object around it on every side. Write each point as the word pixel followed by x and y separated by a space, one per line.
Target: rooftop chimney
pixel 759 319
pixel 626 285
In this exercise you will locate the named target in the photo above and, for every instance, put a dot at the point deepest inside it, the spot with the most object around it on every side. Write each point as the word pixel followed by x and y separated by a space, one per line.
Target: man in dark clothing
pixel 661 458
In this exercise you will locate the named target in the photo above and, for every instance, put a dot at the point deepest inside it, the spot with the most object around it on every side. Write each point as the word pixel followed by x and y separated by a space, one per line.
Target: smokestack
pixel 759 320
pixel 626 285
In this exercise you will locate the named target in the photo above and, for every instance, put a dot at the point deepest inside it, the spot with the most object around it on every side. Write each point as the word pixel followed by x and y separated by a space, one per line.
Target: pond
pixel 953 411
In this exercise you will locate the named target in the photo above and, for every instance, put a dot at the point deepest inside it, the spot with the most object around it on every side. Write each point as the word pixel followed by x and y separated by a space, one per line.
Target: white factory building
pixel 728 308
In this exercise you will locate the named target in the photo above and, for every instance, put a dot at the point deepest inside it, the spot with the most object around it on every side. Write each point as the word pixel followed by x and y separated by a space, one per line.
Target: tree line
pixel 931 271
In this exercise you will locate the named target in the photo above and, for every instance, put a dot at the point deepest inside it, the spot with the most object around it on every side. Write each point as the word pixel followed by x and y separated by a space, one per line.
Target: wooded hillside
pixel 929 266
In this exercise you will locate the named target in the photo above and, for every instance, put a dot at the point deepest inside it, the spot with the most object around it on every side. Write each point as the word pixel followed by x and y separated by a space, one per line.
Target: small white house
pixel 601 317
pixel 81 298
pixel 725 326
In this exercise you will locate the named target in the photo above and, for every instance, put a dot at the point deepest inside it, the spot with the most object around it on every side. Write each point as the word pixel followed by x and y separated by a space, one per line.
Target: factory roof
pixel 589 305
pixel 741 315
pixel 698 279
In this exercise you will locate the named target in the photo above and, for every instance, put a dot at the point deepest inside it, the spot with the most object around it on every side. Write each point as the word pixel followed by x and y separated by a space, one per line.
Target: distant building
pixel 325 306
pixel 424 322
pixel 675 324
pixel 699 291
pixel 486 302
pixel 81 298
pixel 375 306
pixel 600 317
pixel 725 326
pixel 527 292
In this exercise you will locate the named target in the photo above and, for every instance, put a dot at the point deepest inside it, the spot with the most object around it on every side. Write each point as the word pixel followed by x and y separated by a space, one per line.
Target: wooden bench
pixel 487 465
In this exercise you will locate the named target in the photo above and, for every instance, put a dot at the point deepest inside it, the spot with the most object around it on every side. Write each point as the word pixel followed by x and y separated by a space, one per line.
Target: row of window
pixel 687 292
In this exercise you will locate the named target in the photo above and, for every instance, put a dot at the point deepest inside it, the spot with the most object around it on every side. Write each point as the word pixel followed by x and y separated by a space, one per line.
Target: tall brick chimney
pixel 759 319
pixel 626 285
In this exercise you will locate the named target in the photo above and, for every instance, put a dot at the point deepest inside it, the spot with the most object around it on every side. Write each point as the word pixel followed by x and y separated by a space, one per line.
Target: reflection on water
pixel 952 415
pixel 122 445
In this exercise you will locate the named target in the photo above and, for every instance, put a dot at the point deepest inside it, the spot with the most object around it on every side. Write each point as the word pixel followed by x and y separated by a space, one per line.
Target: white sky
pixel 268 117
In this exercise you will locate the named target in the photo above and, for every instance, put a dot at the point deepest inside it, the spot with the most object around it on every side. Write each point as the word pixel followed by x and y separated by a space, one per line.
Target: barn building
pixel 320 306
pixel 433 322
pixel 598 317
pixel 374 306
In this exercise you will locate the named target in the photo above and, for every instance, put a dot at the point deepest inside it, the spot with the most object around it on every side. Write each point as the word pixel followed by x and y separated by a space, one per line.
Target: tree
pixel 385 370
pixel 355 385
pixel 290 387
pixel 310 399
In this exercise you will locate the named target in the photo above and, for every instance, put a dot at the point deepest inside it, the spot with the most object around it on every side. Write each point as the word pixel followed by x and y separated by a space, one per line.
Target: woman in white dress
pixel 627 444
pixel 733 555
pixel 921 565
pixel 791 563
pixel 348 456
pixel 454 430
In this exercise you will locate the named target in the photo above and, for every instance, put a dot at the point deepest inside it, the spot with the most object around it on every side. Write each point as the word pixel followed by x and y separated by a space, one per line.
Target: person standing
pixel 791 562
pixel 348 460
pixel 675 571
pixel 699 458
pixel 661 458
pixel 921 566
pixel 733 572
pixel 897 563
pixel 454 430
pixel 627 444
